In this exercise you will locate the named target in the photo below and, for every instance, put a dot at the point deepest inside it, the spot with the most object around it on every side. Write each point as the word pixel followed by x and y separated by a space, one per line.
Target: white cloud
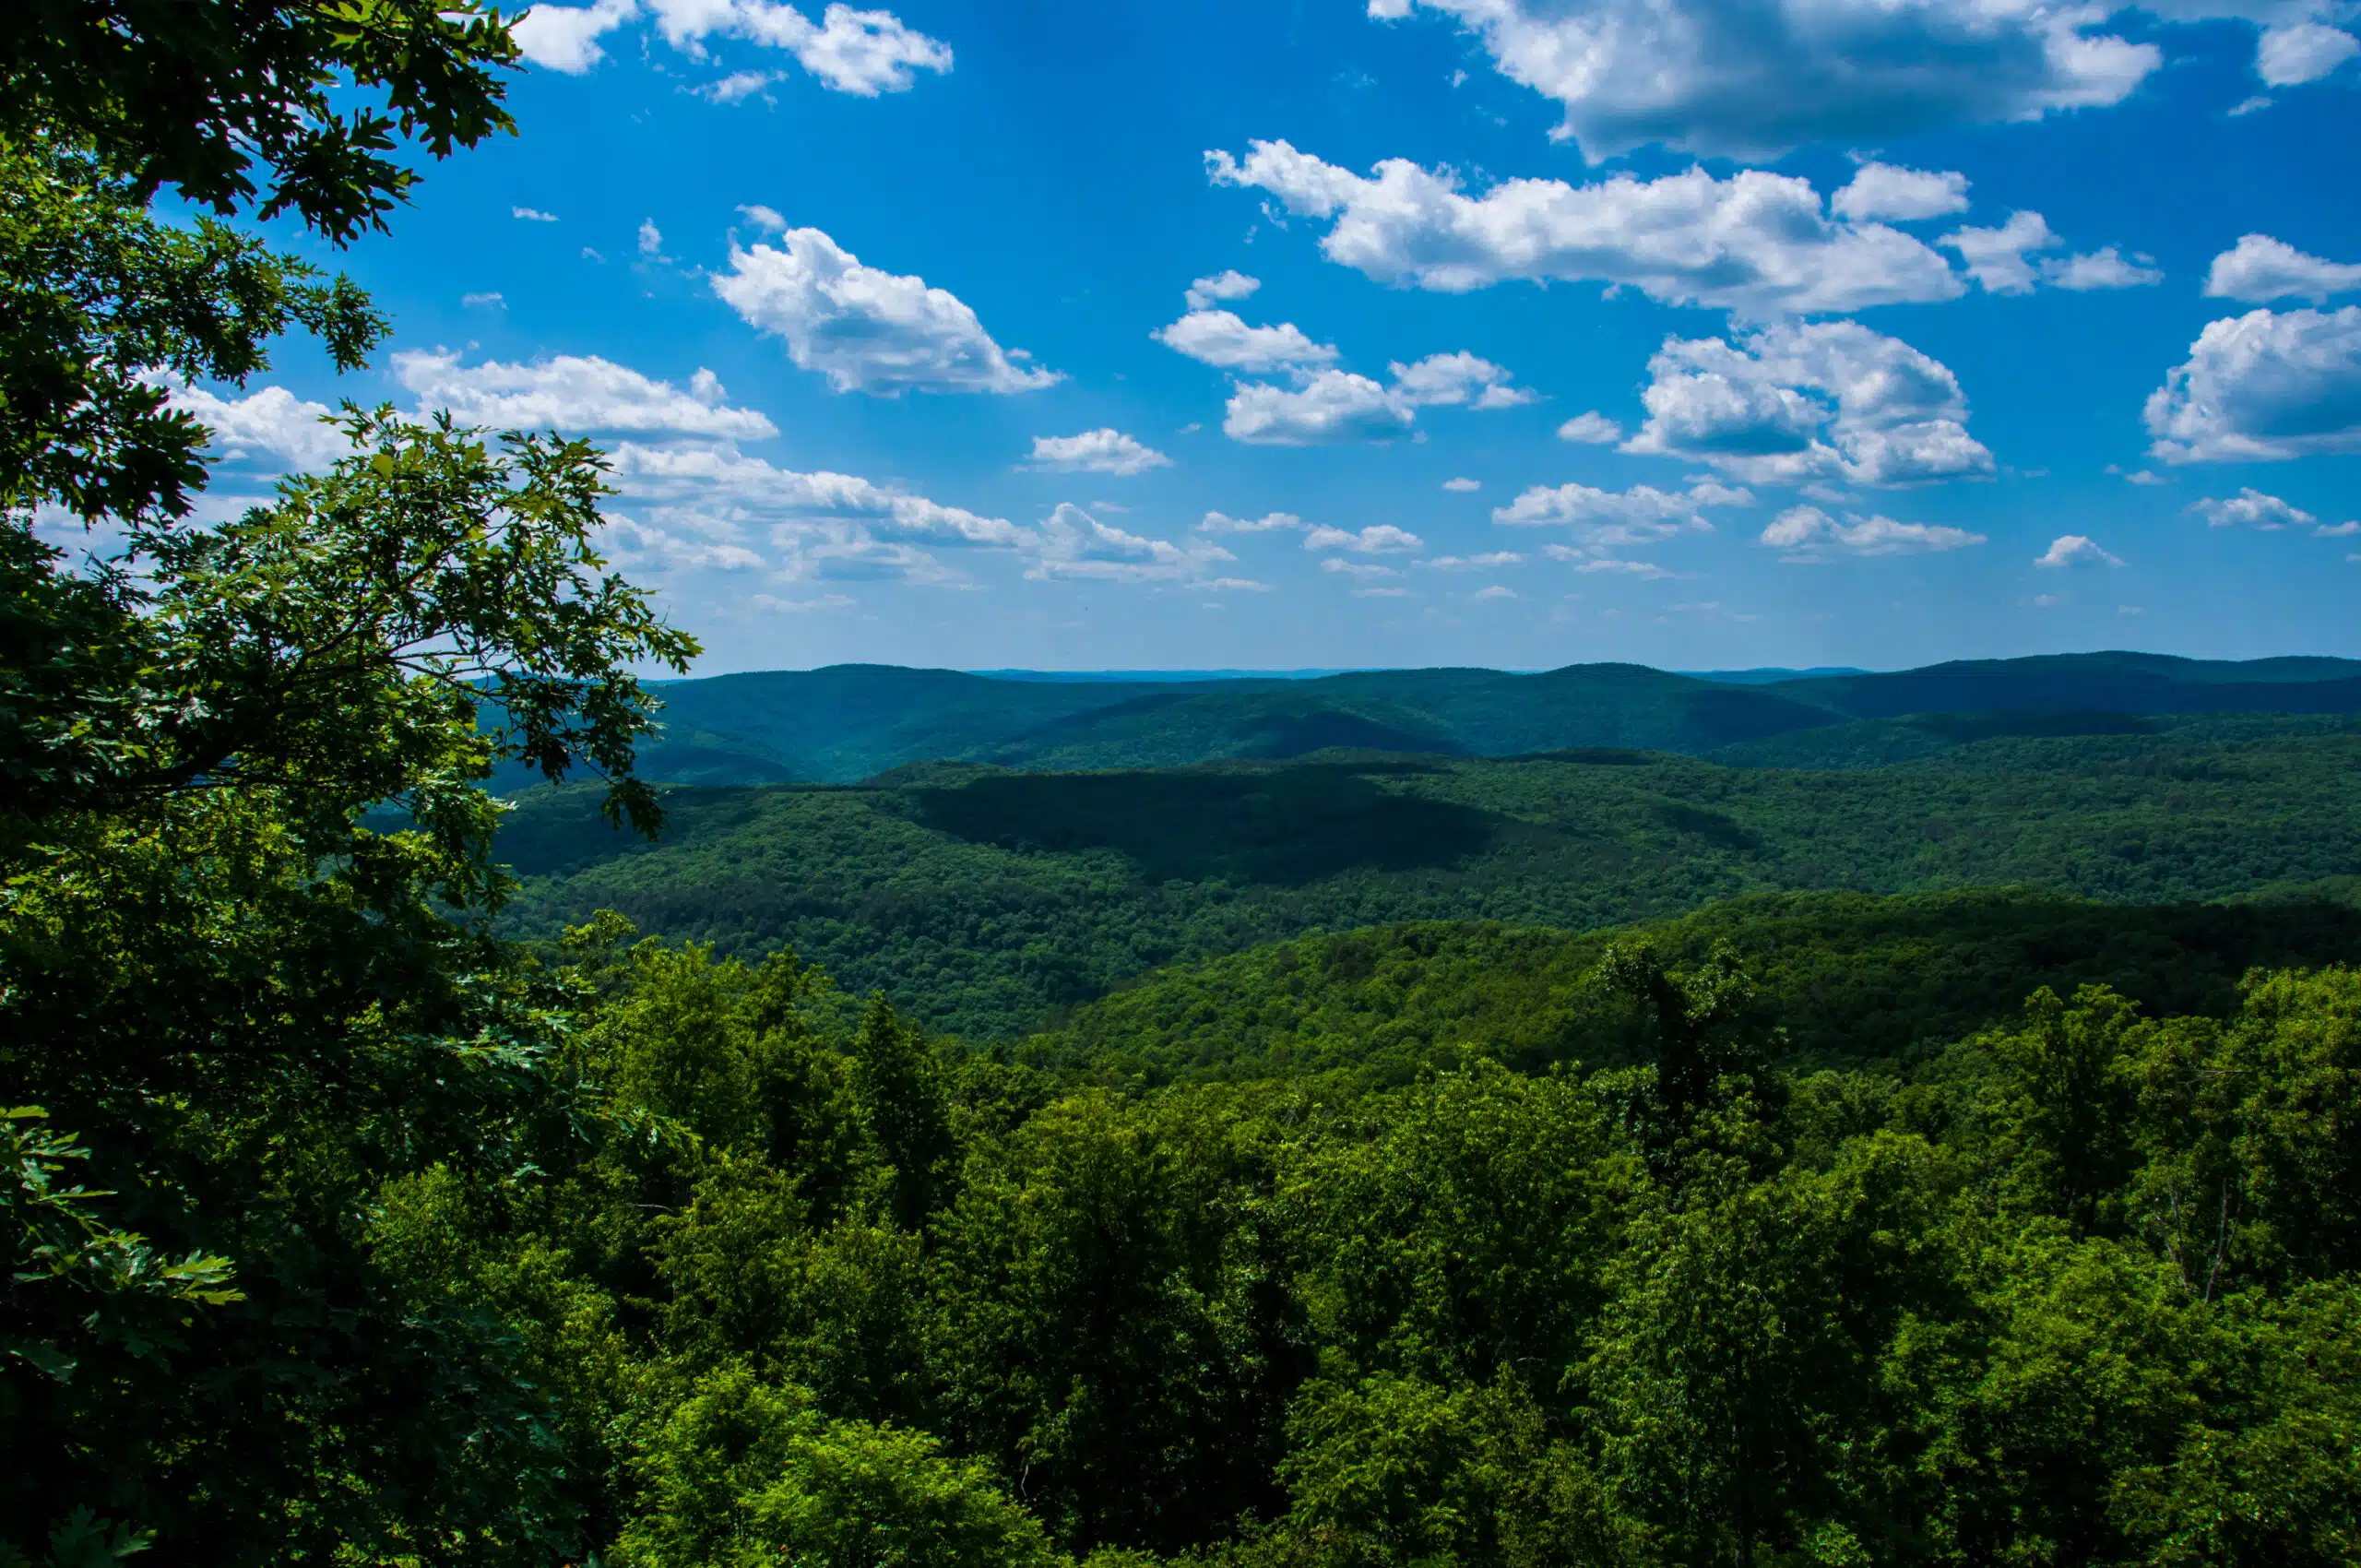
pixel 1760 243
pixel 1227 284
pixel 1716 78
pixel 1378 538
pixel 2258 270
pixel 1074 545
pixel 532 215
pixel 737 86
pixel 796 606
pixel 1405 593
pixel 2250 508
pixel 1489 561
pixel 1330 407
pixel 2346 529
pixel 2001 260
pixel 867 331
pixel 1605 519
pixel 641 547
pixel 1217 522
pixel 1453 380
pixel 861 53
pixel 574 393
pixel 1102 451
pixel 1809 535
pixel 651 239
pixel 565 38
pixel 1759 408
pixel 1495 591
pixel 766 219
pixel 2294 53
pixel 1881 190
pixel 2076 550
pixel 492 301
pixel 1220 338
pixel 728 488
pixel 1646 571
pixel 2104 268
pixel 1327 407
pixel 1462 486
pixel 2262 386
pixel 1593 429
pixel 270 423
pixel 1365 571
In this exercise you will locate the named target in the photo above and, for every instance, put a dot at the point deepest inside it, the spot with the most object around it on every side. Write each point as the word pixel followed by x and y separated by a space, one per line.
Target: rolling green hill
pixel 847 722
pixel 986 900
pixel 1852 978
pixel 2110 682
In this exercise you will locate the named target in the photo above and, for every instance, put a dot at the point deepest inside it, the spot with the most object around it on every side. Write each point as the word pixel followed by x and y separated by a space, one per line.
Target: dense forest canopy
pixel 984 901
pixel 1362 1201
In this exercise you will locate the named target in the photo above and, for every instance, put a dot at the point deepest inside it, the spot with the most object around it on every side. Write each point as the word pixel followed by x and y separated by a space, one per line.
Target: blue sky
pixel 1700 333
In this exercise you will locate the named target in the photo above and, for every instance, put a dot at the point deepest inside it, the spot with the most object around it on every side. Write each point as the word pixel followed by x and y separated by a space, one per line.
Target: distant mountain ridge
pixel 843 723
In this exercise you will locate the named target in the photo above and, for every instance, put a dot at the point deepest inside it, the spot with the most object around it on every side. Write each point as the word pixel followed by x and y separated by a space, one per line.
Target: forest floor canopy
pixel 1426 1154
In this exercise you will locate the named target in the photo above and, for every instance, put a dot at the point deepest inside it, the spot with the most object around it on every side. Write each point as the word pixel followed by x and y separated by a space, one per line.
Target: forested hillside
pixel 982 901
pixel 1252 1164
pixel 844 723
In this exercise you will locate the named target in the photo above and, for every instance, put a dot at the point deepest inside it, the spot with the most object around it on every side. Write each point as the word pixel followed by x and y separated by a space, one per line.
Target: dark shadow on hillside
pixel 1285 735
pixel 1287 826
pixel 1725 715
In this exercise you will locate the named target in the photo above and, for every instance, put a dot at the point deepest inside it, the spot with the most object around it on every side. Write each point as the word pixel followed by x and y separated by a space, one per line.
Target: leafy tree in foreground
pixel 231 1009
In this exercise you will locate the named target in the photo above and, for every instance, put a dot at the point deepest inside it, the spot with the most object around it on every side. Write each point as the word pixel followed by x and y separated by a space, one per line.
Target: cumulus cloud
pixel 1462 485
pixel 861 53
pixel 2294 53
pixel 651 240
pixel 1823 400
pixel 2071 549
pixel 1457 380
pixel 570 392
pixel 1217 522
pixel 1607 520
pixel 1227 284
pixel 2262 386
pixel 1807 534
pixel 727 487
pixel 532 215
pixel 868 330
pixel 1378 538
pixel 1074 545
pixel 1363 571
pixel 1219 338
pixel 1759 244
pixel 492 299
pixel 1495 591
pixel 2258 270
pixel 1327 407
pixel 1593 429
pixel 565 38
pixel 1716 78
pixel 1102 451
pixel 269 427
pixel 2250 508
pixel 1332 407
pixel 1881 190
pixel 2004 260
